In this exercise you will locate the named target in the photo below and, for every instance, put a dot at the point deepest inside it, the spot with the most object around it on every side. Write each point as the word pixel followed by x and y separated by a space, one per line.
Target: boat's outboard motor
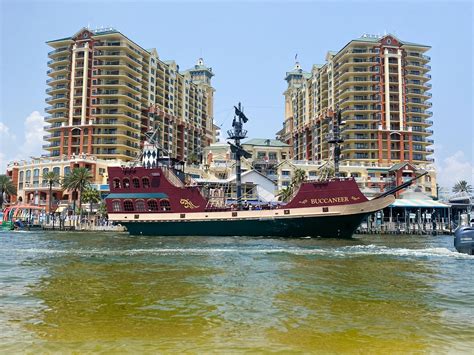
pixel 464 240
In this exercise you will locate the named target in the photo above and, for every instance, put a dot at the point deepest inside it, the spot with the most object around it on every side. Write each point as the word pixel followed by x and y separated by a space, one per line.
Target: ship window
pixel 145 182
pixel 136 183
pixel 128 205
pixel 140 206
pixel 152 205
pixel 116 206
pixel 165 205
pixel 126 183
pixel 117 183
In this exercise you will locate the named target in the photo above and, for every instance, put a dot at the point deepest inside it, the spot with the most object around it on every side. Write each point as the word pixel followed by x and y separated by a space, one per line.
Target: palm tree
pixel 91 196
pixel 77 181
pixel 285 193
pixel 7 187
pixel 298 177
pixel 102 210
pixel 462 186
pixel 52 178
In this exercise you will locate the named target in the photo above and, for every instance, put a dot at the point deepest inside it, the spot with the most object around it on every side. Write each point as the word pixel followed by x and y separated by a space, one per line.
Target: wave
pixel 346 251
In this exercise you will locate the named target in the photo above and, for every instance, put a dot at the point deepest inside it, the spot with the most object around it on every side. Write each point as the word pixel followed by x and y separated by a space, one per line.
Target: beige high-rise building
pixel 381 84
pixel 106 91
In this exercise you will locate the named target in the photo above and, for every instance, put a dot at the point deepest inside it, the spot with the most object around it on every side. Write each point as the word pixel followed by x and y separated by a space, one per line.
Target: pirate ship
pixel 153 199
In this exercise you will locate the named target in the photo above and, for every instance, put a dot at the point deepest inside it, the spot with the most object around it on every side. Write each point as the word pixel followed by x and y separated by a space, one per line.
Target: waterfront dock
pixel 82 227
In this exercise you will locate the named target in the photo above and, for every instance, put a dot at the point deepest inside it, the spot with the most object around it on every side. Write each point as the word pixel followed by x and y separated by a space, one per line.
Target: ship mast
pixel 236 134
pixel 336 139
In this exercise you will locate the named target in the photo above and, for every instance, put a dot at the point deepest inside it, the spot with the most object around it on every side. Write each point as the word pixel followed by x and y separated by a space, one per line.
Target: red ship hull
pixel 148 203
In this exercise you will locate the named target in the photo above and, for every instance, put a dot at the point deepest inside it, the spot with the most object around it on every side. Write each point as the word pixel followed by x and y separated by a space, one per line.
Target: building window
pixel 116 206
pixel 152 205
pixel 45 171
pixel 140 206
pixel 67 170
pixel 128 205
pixel 22 173
pixel 285 173
pixel 126 183
pixel 117 184
pixel 28 175
pixel 145 182
pixel 165 205
pixel 136 183
pixel 56 170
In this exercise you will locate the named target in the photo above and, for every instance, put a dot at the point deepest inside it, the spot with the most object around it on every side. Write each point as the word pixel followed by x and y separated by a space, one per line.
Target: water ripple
pixel 347 251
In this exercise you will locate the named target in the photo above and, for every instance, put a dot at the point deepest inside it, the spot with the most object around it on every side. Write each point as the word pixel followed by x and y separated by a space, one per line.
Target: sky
pixel 250 46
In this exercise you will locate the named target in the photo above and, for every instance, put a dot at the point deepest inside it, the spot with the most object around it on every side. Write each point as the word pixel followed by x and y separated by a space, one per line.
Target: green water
pixel 109 293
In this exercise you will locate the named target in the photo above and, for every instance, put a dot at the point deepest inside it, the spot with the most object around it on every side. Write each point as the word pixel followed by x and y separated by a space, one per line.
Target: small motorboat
pixel 464 239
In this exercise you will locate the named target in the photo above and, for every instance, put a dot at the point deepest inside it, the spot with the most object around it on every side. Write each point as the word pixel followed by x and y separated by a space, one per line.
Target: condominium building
pixel 381 85
pixel 105 92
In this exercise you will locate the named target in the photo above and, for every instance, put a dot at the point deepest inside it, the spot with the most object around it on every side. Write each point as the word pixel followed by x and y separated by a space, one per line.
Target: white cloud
pixel 454 168
pixel 7 140
pixel 33 140
pixel 4 129
pixel 29 143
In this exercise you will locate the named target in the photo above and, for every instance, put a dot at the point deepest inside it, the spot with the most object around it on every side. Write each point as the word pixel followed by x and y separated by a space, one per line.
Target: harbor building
pixel 271 158
pixel 32 189
pixel 381 85
pixel 106 91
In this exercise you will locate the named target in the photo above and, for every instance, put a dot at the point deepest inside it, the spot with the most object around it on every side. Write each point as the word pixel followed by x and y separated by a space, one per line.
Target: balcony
pixel 56 88
pixel 265 162
pixel 57 70
pixel 54 117
pixel 53 126
pixel 57 79
pixel 58 60
pixel 58 50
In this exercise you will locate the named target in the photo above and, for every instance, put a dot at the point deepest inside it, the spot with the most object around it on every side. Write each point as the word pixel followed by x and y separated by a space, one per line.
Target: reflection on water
pixel 104 292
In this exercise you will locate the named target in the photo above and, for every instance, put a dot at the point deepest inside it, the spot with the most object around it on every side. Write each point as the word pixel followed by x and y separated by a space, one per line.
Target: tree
pixel 285 193
pixel 91 195
pixel 77 181
pixel 299 176
pixel 462 186
pixel 102 210
pixel 7 187
pixel 52 178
